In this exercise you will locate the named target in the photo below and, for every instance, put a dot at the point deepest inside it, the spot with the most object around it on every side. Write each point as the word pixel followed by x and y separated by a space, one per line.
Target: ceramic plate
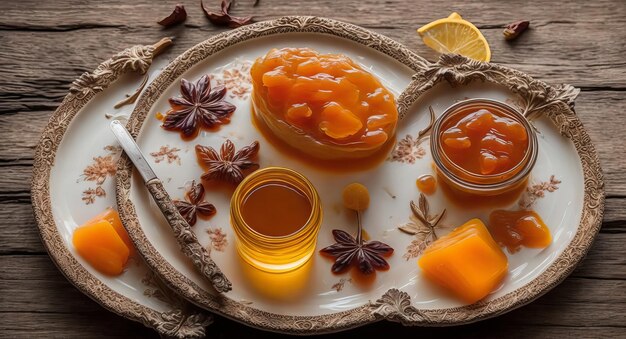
pixel 566 186
pixel 74 179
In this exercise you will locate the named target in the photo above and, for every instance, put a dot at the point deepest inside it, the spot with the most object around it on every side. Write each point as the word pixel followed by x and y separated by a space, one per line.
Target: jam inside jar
pixel 483 147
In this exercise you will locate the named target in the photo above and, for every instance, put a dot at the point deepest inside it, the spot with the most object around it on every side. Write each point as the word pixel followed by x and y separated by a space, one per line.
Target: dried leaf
pixel 409 228
pixel 179 15
pixel 223 18
pixel 423 205
pixel 422 226
pixel 418 213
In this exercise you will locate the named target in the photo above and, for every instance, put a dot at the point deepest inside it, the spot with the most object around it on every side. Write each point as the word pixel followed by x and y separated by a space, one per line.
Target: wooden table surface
pixel 44 45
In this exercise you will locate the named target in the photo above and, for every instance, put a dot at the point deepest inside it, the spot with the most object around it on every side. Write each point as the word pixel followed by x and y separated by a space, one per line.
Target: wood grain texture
pixel 47 44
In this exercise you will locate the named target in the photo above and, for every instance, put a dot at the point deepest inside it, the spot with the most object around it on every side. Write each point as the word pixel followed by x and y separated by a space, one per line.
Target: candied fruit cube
pixel 493 143
pixel 113 217
pixel 479 122
pixel 338 122
pixel 466 262
pixel 100 245
pixel 488 163
pixel 458 143
pixel 362 80
pixel 511 129
pixel 276 78
pixel 309 67
pixel 297 113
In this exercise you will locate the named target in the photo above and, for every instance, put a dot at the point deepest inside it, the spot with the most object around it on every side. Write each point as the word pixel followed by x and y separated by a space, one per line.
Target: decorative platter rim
pixel 181 321
pixel 394 305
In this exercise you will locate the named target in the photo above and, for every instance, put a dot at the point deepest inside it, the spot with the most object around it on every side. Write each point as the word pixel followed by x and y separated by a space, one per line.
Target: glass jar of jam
pixel 276 214
pixel 483 148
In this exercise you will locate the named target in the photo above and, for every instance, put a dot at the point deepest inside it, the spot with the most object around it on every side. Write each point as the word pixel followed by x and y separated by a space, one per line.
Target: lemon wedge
pixel 456 35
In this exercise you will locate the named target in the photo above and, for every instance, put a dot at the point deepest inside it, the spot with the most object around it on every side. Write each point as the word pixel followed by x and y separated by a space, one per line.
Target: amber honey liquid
pixel 276 209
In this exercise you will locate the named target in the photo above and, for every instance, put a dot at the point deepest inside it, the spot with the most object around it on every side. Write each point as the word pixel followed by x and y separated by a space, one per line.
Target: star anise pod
pixel 194 204
pixel 198 105
pixel 223 18
pixel 228 165
pixel 368 255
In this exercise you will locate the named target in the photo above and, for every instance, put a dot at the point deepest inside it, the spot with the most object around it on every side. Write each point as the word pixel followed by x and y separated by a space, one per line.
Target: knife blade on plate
pixel 184 234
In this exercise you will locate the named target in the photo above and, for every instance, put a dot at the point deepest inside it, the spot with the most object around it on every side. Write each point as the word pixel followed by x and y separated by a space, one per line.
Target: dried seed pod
pixel 178 15
pixel 513 30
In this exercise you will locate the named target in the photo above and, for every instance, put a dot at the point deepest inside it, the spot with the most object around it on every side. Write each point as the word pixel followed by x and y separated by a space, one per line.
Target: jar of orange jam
pixel 276 214
pixel 483 147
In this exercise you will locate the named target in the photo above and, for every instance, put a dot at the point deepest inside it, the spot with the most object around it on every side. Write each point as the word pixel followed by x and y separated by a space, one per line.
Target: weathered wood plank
pixel 68 14
pixel 576 302
pixel 28 325
pixel 19 230
pixel 592 59
pixel 94 324
pixel 602 66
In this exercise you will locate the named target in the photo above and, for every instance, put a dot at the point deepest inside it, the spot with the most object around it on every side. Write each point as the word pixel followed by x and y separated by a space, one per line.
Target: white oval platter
pixel 566 188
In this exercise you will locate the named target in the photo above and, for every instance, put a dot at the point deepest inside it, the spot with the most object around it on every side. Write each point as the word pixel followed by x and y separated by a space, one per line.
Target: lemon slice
pixel 455 35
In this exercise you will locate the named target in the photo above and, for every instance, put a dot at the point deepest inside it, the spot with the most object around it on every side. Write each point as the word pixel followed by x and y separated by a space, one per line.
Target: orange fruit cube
pixel 100 244
pixel 466 262
pixel 113 217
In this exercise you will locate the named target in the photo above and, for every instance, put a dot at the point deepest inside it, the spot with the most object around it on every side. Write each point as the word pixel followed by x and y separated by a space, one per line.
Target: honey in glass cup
pixel 276 215
pixel 483 148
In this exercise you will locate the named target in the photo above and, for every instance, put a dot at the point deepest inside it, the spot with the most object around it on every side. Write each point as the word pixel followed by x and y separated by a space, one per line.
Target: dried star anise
pixel 194 204
pixel 368 255
pixel 228 165
pixel 198 105
pixel 223 18
pixel 178 15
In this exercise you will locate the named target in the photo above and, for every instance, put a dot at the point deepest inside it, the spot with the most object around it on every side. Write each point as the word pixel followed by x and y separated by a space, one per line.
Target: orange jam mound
pixel 484 143
pixel 514 229
pixel 103 242
pixel 324 105
pixel 466 262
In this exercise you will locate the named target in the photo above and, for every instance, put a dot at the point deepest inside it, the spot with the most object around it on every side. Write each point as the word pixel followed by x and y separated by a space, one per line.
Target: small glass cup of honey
pixel 276 214
pixel 485 148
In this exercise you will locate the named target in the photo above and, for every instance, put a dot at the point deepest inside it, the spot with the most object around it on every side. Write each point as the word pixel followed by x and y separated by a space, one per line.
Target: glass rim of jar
pixel 240 194
pixel 526 164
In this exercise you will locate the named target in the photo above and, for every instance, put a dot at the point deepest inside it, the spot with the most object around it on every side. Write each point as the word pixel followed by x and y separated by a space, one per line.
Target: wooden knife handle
pixel 187 239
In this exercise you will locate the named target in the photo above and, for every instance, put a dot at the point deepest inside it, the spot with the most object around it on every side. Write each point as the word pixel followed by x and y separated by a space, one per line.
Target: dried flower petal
pixel 367 255
pixel 198 105
pixel 228 165
pixel 513 30
pixel 222 18
pixel 178 15
pixel 194 204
